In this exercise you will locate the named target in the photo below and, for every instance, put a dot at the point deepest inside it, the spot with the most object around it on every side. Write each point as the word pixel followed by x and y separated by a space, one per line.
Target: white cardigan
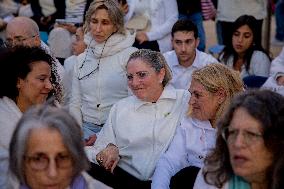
pixel 163 15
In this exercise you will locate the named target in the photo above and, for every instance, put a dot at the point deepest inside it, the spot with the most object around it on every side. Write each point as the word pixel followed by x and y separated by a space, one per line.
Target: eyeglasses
pixel 18 40
pixel 250 137
pixel 41 161
pixel 140 75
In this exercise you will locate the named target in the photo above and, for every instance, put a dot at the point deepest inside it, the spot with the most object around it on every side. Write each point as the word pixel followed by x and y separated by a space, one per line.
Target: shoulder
pixel 259 55
pixel 205 58
pixel 94 184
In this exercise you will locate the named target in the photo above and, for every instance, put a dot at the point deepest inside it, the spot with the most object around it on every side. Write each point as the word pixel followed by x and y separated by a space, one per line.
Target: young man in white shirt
pixel 185 58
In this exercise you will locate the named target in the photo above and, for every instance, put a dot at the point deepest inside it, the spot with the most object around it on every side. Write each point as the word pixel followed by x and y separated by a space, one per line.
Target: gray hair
pixel 46 116
pixel 113 10
pixel 154 59
pixel 30 25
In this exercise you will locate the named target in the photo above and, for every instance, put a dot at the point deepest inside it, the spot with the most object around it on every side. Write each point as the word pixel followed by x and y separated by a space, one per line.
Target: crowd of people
pixel 123 95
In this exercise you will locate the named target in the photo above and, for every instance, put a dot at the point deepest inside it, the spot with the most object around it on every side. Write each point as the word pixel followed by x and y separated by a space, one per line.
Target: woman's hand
pixel 91 140
pixel 109 157
pixel 141 37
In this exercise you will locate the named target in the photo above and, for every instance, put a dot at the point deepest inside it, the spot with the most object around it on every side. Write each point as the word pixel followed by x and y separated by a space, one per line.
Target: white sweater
pixel 99 78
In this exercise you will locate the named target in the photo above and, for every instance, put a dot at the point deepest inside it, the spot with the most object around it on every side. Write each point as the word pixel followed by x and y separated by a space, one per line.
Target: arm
pixel 171 11
pixel 277 64
pixel 75 97
pixel 172 161
pixel 260 64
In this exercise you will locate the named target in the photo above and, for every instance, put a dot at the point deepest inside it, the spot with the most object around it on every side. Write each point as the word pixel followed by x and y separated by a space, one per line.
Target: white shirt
pixel 141 130
pixel 230 10
pixel 193 140
pixel 182 75
pixel 259 65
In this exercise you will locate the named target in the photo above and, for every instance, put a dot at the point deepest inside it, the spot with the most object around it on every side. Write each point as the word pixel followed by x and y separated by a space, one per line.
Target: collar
pixel 201 124
pixel 195 64
pixel 169 92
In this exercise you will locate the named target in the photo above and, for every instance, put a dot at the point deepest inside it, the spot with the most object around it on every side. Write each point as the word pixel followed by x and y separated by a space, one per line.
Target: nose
pixel 239 140
pixel 98 27
pixel 48 85
pixel 183 47
pixel 52 169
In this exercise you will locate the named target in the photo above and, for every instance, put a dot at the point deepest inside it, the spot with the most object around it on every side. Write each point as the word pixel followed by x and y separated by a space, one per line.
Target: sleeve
pixel 158 32
pixel 60 10
pixel 36 9
pixel 75 97
pixel 105 136
pixel 277 64
pixel 260 64
pixel 4 166
pixel 172 161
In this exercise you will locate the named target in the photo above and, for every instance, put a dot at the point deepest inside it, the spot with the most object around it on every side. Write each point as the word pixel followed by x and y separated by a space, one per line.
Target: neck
pixel 260 185
pixel 22 105
pixel 189 62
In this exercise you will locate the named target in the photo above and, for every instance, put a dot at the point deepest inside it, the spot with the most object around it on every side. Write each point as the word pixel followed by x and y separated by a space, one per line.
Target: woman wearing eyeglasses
pixel 212 89
pixel 46 151
pixel 99 76
pixel 139 127
pixel 249 148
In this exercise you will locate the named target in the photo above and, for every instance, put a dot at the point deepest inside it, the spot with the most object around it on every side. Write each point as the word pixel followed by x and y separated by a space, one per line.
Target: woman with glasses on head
pixel 46 151
pixel 212 89
pixel 139 127
pixel 249 147
pixel 26 79
pixel 99 76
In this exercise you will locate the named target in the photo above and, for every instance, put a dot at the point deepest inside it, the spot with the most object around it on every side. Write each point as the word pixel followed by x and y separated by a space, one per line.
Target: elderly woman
pixel 245 54
pixel 249 146
pixel 139 127
pixel 26 79
pixel 212 89
pixel 46 151
pixel 99 76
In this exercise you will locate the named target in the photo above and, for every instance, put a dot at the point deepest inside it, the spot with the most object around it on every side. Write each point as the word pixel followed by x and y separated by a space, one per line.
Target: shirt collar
pixel 169 92
pixel 195 61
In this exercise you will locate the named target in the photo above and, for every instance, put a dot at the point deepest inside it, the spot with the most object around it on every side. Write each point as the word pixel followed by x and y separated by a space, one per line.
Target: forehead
pixel 45 140
pixel 100 13
pixel 196 86
pixel 244 29
pixel 17 30
pixel 243 120
pixel 138 64
pixel 183 35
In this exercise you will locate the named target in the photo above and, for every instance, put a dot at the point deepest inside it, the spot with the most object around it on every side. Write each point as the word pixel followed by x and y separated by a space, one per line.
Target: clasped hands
pixel 108 157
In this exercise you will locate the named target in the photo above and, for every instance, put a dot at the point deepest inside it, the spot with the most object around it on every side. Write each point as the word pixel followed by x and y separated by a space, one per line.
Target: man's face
pixel 184 45
pixel 22 37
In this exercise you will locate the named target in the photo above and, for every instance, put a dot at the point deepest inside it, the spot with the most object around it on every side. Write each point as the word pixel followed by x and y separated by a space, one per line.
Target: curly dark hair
pixel 265 106
pixel 16 63
pixel 250 21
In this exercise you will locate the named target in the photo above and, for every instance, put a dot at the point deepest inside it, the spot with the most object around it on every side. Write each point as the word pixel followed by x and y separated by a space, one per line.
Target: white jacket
pixel 141 130
pixel 163 14
pixel 99 78
pixel 9 117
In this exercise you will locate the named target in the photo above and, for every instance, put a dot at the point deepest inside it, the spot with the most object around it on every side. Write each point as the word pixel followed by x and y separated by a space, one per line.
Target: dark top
pixel 188 6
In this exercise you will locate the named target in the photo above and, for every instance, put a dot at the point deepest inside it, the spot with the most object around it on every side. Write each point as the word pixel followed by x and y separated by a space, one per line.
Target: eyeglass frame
pixel 44 157
pixel 249 136
pixel 18 39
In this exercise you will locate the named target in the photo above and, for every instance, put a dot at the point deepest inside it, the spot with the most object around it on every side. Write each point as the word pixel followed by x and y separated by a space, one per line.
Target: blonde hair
pixel 113 10
pixel 217 76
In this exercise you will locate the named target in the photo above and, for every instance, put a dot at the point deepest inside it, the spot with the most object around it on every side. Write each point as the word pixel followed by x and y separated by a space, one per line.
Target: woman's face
pixel 242 39
pixel 144 81
pixel 78 45
pixel 248 155
pixel 203 104
pixel 48 163
pixel 34 89
pixel 101 26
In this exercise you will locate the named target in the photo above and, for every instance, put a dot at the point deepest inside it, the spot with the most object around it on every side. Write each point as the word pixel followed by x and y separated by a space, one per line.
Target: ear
pixel 37 41
pixel 162 74
pixel 197 41
pixel 19 83
pixel 221 93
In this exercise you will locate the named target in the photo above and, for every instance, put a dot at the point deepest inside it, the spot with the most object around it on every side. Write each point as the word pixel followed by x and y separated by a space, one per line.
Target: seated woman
pixel 46 151
pixel 212 89
pixel 26 79
pixel 139 127
pixel 245 54
pixel 249 147
pixel 99 78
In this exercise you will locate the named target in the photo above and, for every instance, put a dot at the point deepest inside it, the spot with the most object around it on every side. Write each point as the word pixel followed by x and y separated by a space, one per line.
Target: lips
pixel 239 160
